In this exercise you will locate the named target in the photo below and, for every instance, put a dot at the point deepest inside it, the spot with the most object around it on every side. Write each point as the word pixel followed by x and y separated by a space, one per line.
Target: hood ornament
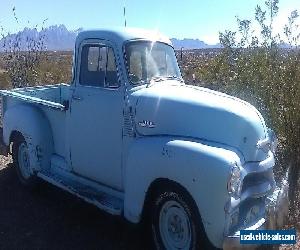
pixel 147 124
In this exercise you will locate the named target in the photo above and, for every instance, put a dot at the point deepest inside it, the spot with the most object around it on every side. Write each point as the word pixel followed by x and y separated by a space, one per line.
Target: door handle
pixel 77 98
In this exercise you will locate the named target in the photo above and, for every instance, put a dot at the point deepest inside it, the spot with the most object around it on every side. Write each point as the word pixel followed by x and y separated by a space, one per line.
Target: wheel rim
pixel 175 226
pixel 23 160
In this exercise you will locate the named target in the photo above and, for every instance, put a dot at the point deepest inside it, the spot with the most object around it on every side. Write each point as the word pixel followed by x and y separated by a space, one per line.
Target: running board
pixel 104 201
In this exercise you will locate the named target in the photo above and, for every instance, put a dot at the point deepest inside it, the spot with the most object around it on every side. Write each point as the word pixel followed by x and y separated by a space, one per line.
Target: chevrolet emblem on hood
pixel 147 124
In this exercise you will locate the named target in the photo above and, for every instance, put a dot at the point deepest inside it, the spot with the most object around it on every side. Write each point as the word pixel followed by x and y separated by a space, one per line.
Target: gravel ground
pixel 49 218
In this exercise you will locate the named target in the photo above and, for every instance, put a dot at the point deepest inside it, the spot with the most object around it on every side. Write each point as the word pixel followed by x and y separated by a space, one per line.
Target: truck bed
pixel 50 95
pixel 51 100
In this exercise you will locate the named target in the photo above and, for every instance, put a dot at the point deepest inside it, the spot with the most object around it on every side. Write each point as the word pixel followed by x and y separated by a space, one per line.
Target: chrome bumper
pixel 276 214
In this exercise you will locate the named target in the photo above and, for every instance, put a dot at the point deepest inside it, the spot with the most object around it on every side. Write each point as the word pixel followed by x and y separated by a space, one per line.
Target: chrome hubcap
pixel 174 226
pixel 23 160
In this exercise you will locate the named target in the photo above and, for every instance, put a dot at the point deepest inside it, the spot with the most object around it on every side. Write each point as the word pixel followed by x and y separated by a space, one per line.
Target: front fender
pixel 35 127
pixel 201 169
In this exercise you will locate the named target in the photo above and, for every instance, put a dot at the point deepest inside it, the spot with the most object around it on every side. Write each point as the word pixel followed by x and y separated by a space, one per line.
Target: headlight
pixel 235 182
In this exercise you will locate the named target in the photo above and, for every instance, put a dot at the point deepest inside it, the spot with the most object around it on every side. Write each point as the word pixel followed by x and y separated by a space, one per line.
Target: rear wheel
pixel 21 160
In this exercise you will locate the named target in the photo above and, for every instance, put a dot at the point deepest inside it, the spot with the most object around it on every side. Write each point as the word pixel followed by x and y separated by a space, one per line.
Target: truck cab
pixel 128 136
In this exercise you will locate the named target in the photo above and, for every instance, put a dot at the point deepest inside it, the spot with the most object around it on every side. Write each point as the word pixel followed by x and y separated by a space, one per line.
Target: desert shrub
pixel 55 67
pixel 22 55
pixel 265 71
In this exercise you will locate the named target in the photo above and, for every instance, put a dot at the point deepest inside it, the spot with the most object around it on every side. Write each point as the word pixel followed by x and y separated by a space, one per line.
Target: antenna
pixel 124 13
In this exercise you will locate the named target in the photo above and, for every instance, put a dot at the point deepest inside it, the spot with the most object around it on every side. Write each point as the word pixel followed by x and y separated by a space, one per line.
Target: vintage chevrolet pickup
pixel 128 136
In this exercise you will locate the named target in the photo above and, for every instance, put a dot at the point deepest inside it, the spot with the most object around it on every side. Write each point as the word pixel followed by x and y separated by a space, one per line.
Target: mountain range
pixel 188 43
pixel 58 37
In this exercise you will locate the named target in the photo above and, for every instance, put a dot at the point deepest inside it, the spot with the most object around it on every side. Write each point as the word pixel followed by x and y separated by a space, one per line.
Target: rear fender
pixel 35 128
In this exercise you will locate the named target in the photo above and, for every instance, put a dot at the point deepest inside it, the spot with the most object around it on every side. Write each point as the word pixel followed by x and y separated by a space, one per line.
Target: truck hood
pixel 181 110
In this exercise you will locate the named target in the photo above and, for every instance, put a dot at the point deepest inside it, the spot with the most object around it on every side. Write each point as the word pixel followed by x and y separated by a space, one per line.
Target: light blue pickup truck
pixel 128 136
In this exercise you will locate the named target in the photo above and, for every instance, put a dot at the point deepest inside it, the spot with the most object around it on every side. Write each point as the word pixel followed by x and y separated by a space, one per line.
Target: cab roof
pixel 120 35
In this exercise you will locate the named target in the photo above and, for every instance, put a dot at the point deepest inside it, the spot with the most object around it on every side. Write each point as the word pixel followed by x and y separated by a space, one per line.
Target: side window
pixel 98 67
pixel 93 55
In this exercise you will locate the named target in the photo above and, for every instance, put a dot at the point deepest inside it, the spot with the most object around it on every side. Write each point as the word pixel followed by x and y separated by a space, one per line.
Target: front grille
pixel 255 180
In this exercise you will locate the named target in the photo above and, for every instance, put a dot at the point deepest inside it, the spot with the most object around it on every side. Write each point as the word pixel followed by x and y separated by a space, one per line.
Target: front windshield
pixel 147 61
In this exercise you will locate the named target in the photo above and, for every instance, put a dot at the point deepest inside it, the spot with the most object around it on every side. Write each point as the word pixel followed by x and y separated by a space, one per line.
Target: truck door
pixel 96 116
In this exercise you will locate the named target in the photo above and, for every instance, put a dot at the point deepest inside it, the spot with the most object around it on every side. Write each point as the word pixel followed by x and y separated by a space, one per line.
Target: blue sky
pixel 201 19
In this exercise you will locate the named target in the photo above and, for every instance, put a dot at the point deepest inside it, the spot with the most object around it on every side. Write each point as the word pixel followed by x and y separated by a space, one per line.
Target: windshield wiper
pixel 162 78
pixel 157 78
pixel 174 78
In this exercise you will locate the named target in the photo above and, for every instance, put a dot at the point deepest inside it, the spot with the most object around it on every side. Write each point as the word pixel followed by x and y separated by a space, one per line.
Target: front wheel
pixel 21 160
pixel 176 223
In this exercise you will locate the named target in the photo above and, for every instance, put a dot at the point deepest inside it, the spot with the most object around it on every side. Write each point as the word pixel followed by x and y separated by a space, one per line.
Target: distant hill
pixel 58 37
pixel 192 44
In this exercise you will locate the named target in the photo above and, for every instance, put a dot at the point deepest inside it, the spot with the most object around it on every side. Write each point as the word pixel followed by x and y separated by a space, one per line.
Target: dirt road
pixel 48 218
